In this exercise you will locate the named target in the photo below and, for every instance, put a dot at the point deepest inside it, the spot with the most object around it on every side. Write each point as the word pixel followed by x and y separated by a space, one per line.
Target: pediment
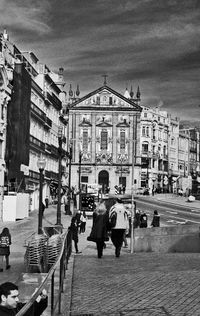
pixel 105 97
pixel 123 124
pixel 104 124
pixel 85 123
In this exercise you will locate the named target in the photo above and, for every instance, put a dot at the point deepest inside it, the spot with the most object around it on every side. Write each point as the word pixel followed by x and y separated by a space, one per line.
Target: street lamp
pixel 69 155
pixel 79 179
pixel 41 163
pixel 60 139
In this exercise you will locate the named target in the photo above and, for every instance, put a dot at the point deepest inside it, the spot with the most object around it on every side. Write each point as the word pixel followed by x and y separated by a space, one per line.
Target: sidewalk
pixel 20 231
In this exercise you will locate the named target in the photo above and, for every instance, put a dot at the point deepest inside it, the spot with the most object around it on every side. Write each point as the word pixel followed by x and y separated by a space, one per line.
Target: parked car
pixel 140 191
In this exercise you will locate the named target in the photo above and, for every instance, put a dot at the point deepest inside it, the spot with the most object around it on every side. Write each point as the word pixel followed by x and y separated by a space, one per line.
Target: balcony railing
pixel 36 143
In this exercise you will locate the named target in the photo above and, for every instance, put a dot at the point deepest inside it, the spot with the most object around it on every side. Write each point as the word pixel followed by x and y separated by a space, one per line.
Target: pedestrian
pixel 83 222
pixel 47 202
pixel 65 201
pixel 136 222
pixel 99 229
pixel 43 208
pixel 5 242
pixel 143 220
pixel 118 211
pixel 10 305
pixel 123 189
pixel 125 240
pixel 74 227
pixel 156 219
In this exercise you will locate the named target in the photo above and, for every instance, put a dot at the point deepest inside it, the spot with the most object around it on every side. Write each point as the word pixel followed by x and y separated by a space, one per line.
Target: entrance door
pixel 104 180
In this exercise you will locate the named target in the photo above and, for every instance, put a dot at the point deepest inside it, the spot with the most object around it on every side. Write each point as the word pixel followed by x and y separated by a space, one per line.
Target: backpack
pixel 113 220
pixel 4 241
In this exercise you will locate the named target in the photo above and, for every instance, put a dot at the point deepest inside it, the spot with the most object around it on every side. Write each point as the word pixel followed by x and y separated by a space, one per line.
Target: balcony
pixel 54 151
pixel 48 148
pixel 47 98
pixel 47 174
pixel 36 144
pixel 48 122
pixel 37 113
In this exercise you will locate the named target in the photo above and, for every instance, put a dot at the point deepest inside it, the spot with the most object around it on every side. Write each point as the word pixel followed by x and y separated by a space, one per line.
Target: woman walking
pixel 5 242
pixel 74 227
pixel 99 228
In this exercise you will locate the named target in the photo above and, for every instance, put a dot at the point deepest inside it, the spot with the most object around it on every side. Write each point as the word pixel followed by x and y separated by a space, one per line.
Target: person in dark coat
pixel 143 220
pixel 46 202
pixel 99 229
pixel 156 219
pixel 10 305
pixel 5 242
pixel 74 227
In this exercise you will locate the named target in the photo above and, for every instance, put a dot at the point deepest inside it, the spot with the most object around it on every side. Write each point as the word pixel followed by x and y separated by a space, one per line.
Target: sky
pixel 153 44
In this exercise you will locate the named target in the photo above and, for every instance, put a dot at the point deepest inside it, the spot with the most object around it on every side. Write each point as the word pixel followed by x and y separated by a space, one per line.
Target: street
pixel 169 214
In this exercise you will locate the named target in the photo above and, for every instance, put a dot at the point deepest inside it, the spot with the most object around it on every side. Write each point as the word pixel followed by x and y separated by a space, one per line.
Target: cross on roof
pixel 105 76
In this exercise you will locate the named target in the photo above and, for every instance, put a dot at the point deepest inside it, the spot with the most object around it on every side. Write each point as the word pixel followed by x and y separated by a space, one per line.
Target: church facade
pixel 104 135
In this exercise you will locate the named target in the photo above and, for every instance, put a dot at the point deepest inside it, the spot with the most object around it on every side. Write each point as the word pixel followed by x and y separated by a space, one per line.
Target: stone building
pixel 104 134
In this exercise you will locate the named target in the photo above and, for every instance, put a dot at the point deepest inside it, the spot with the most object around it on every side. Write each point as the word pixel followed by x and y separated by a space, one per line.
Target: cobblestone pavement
pixel 138 284
pixel 135 284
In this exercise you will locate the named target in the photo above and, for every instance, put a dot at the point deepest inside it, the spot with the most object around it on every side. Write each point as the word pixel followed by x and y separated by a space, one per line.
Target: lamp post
pixel 69 155
pixel 79 179
pixel 41 163
pixel 58 223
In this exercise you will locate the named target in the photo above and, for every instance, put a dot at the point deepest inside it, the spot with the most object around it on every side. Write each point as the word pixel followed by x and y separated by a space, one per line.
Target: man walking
pixel 122 224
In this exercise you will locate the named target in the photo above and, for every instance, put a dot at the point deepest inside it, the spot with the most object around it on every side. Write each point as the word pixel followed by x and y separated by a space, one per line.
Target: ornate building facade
pixel 104 134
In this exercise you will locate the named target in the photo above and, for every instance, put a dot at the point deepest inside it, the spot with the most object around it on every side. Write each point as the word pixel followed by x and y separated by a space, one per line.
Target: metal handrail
pixel 61 263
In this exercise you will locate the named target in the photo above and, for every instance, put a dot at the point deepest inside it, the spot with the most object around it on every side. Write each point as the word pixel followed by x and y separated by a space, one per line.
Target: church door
pixel 104 180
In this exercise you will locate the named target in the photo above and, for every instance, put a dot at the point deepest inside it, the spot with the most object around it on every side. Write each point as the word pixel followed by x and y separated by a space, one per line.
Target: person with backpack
pixel 143 220
pixel 5 242
pixel 118 219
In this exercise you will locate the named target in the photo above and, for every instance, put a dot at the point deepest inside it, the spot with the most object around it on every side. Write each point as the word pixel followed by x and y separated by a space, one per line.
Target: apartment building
pixel 35 116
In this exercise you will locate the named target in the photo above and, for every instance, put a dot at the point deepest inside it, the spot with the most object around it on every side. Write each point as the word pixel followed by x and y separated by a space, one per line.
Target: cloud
pixel 24 16
pixel 151 43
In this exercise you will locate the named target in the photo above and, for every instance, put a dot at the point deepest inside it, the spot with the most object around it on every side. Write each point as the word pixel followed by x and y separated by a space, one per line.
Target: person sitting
pixel 10 305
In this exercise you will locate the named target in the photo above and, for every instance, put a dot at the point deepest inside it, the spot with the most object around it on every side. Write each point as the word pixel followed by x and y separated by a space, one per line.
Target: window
pixel 110 100
pixel 154 134
pixel 122 139
pixel 145 148
pixel 145 114
pixel 104 139
pixel 147 131
pixel 85 140
pixel 143 131
pixel 84 179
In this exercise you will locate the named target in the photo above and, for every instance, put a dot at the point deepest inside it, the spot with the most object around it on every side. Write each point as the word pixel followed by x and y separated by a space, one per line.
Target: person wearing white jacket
pixel 117 232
